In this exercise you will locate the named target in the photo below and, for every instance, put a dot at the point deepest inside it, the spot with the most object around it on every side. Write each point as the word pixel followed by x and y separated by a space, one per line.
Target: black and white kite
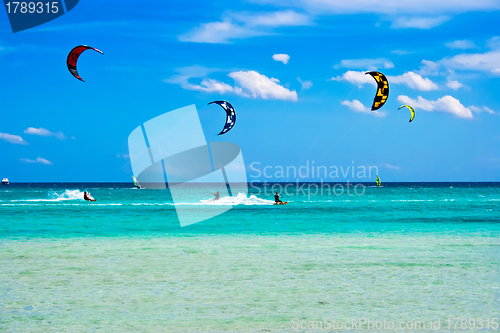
pixel 230 118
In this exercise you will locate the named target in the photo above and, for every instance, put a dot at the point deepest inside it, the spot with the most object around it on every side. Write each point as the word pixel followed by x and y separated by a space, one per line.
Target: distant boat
pixel 379 183
pixel 5 181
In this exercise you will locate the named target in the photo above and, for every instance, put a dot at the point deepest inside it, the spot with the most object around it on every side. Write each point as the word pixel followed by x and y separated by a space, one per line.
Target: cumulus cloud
pixel 414 81
pixel 15 139
pixel 243 25
pixel 281 57
pixel 446 104
pixel 38 160
pixel 206 85
pixel 453 84
pixel 484 62
pixel 260 86
pixel 367 64
pixel 463 44
pixel 210 85
pixel 488 62
pixel 357 106
pixel 411 79
pixel 307 84
pixel 44 132
pixel 358 78
pixel 494 43
pixel 248 84
pixel 429 67
pixel 418 22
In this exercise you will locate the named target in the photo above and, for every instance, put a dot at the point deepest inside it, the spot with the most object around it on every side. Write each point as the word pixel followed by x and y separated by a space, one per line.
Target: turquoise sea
pixel 407 253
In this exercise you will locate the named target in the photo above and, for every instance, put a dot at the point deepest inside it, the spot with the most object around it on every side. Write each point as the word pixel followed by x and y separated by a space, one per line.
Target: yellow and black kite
pixel 382 91
pixel 411 110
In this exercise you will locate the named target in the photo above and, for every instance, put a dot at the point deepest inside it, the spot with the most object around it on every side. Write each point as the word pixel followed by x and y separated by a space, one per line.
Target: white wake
pixel 240 199
pixel 65 196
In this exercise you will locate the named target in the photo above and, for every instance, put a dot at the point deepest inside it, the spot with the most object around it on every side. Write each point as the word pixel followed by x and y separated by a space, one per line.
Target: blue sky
pixel 293 70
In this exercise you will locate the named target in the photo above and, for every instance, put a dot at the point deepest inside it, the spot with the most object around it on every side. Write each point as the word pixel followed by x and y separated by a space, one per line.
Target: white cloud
pixel 401 52
pixel 414 81
pixel 494 43
pixel 243 25
pixel 411 79
pixel 463 44
pixel 418 22
pixel 38 160
pixel 484 62
pixel 488 62
pixel 260 86
pixel 423 14
pixel 44 132
pixel 429 68
pixel 389 7
pixel 288 18
pixel 359 78
pixel 210 85
pixel 446 104
pixel 249 84
pixel 391 167
pixel 481 109
pixel 357 106
pixel 488 110
pixel 307 84
pixel 219 33
pixel 15 139
pixel 367 64
pixel 207 85
pixel 453 84
pixel 281 57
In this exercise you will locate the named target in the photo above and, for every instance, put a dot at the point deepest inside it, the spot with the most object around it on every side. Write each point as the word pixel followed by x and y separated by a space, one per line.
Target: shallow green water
pixel 405 252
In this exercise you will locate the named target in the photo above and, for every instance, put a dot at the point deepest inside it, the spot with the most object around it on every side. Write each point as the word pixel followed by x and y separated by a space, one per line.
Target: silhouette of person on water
pixel 217 196
pixel 277 198
pixel 87 196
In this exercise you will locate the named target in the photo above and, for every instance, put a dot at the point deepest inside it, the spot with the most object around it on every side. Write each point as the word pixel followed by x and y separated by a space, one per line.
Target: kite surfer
pixel 277 198
pixel 217 196
pixel 87 196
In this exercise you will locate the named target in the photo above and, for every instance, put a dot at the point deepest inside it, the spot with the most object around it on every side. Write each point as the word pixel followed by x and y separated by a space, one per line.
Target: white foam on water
pixel 411 200
pixel 240 199
pixel 152 204
pixel 56 197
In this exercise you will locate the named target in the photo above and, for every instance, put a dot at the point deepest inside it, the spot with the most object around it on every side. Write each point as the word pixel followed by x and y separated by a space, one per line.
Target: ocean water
pixel 405 252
